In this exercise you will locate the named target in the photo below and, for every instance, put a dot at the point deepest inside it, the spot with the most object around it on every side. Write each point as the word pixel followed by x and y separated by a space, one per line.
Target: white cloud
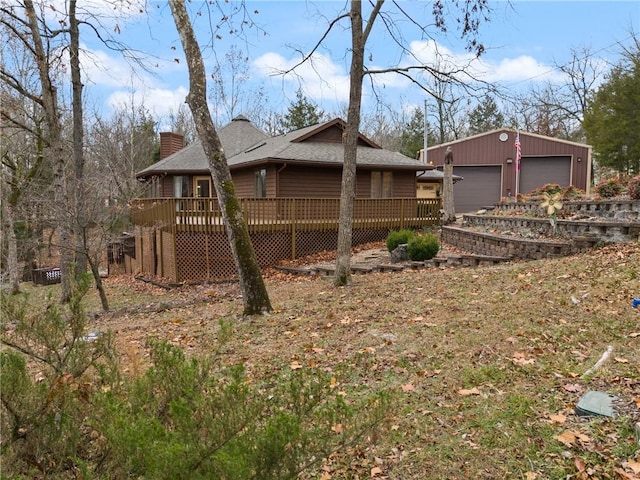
pixel 320 78
pixel 523 68
pixel 124 82
pixel 160 102
pixel 518 69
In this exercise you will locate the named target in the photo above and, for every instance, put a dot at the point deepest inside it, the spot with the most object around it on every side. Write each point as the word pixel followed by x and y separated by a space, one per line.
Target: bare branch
pixel 317 45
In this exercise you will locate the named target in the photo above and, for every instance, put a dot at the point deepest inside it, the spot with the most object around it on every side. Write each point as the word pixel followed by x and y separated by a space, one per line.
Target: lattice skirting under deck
pixel 196 257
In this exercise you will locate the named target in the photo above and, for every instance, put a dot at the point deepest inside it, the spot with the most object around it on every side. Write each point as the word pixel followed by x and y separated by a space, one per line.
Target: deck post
pixel 292 214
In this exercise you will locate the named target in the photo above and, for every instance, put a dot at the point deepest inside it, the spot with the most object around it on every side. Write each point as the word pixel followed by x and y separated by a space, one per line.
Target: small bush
pixel 190 418
pixel 633 188
pixel 572 193
pixel 609 188
pixel 398 237
pixel 549 188
pixel 423 247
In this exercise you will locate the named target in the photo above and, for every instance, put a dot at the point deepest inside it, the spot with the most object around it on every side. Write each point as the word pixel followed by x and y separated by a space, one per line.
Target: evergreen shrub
pixel 66 411
pixel 423 247
pixel 398 237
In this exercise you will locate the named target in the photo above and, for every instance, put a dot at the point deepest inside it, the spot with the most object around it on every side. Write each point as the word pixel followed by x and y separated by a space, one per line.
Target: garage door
pixel 538 171
pixel 480 188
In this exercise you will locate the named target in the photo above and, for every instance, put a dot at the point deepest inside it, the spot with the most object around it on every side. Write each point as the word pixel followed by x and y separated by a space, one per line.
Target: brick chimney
pixel 170 143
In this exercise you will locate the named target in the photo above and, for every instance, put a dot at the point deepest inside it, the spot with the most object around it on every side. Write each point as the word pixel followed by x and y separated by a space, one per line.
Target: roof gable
pixel 247 146
pixel 332 131
pixel 510 131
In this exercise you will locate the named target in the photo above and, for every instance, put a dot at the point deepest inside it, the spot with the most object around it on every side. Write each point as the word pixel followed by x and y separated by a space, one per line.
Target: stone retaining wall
pixel 610 209
pixel 513 247
pixel 605 231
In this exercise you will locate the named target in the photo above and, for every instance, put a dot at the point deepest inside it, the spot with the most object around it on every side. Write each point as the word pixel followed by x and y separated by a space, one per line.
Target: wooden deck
pixel 284 214
pixel 184 239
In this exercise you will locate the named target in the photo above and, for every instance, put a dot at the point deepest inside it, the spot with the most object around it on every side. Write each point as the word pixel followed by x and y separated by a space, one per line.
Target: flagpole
pixel 518 155
pixel 424 135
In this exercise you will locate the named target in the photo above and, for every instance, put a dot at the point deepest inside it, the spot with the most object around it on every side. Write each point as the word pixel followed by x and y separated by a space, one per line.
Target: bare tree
pixel 120 146
pixel 472 13
pixel 181 122
pixel 23 23
pixel 254 292
pixel 49 44
pixel 22 162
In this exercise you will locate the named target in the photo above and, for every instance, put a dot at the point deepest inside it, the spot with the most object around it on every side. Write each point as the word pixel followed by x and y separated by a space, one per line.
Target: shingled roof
pixel 245 145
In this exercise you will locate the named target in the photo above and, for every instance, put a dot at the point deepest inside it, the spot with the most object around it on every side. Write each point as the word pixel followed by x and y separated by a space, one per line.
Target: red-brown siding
pixel 170 143
pixel 488 149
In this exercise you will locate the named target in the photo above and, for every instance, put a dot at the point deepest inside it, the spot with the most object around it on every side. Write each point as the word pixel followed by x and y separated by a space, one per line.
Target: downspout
pixel 284 165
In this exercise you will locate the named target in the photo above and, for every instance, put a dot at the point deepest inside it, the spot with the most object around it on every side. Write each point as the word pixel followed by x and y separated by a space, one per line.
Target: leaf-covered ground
pixel 485 365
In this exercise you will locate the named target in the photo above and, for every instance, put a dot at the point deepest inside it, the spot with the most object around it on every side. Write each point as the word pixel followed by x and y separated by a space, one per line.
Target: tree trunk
pixel 13 267
pixel 80 224
pixel 254 293
pixel 56 151
pixel 342 275
pixel 449 215
pixel 99 285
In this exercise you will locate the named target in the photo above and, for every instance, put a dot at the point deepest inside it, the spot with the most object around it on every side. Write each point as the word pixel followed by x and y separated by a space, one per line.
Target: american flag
pixel 518 150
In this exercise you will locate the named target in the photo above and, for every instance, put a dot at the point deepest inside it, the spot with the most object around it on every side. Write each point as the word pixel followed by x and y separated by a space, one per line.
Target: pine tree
pixel 301 113
pixel 611 120
pixel 485 117
pixel 412 138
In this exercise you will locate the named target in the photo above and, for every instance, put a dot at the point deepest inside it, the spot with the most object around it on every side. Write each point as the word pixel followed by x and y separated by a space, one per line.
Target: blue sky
pixel 523 40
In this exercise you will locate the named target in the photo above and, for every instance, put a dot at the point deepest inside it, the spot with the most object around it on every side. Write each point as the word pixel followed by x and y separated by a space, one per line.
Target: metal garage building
pixel 487 162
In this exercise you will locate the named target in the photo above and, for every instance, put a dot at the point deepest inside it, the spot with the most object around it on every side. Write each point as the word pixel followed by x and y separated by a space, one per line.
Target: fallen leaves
pixel 572 387
pixel 521 382
pixel 558 418
pixel 466 392
pixel 521 359
pixel 375 471
pixel 572 437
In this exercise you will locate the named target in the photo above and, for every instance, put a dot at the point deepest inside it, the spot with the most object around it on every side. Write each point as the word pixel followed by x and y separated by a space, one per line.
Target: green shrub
pixel 609 188
pixel 66 412
pixel 549 188
pixel 190 418
pixel 633 188
pixel 572 193
pixel 423 247
pixel 48 371
pixel 398 237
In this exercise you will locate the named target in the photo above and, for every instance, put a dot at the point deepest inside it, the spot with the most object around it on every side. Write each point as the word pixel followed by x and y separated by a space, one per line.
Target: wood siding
pixel 489 150
pixel 293 181
pixel 333 134
pixel 298 182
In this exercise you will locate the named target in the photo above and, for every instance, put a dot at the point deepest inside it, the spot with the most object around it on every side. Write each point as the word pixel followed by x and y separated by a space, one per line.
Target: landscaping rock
pixel 399 254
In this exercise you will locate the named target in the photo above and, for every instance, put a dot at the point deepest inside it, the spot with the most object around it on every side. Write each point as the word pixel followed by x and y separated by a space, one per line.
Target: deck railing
pixel 285 214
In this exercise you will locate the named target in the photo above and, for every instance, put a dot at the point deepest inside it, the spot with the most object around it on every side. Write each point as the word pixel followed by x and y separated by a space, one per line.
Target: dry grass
pixel 485 364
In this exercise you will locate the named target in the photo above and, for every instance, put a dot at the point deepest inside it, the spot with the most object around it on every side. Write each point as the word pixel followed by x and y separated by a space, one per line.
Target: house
pixel 303 163
pixel 289 190
pixel 487 162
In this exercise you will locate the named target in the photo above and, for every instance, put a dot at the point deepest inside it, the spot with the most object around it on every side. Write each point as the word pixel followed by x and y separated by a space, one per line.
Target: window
pixel 260 186
pixel 381 184
pixel 202 187
pixel 180 189
pixel 155 188
pixel 180 186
